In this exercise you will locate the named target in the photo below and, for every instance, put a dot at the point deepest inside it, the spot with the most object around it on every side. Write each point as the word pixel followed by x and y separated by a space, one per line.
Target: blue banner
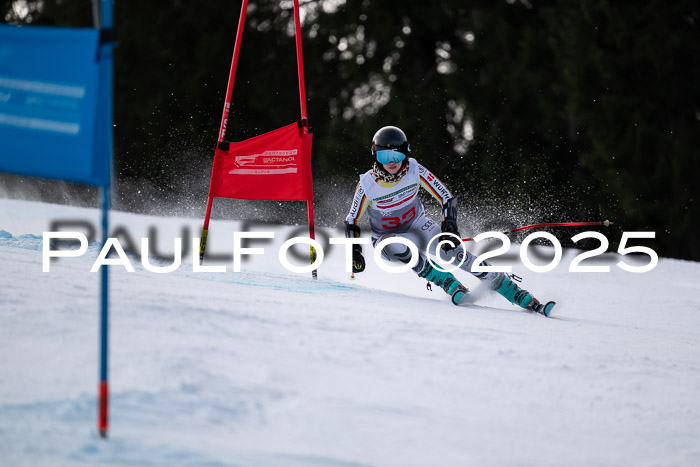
pixel 53 117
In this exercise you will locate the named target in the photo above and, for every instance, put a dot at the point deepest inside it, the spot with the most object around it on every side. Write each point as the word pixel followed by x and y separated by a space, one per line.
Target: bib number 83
pixel 394 222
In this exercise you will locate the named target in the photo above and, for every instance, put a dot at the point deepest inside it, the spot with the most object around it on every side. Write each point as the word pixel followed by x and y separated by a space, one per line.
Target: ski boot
pixel 521 297
pixel 445 280
pixel 542 308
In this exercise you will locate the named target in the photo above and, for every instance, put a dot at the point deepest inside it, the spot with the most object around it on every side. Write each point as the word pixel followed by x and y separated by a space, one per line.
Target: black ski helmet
pixel 390 137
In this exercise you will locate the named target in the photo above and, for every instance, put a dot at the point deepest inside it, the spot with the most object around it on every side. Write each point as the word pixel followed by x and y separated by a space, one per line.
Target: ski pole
pixel 555 224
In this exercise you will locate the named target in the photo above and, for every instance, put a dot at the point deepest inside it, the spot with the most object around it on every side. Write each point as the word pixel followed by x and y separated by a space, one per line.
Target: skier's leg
pixel 402 253
pixel 419 233
pixel 500 282
pixel 398 252
pixel 506 286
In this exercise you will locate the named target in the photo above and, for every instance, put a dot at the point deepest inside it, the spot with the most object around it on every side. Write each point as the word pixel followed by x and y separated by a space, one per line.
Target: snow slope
pixel 268 368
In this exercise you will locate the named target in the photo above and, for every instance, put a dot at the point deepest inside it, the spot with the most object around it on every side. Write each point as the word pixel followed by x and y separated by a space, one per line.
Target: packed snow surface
pixel 265 367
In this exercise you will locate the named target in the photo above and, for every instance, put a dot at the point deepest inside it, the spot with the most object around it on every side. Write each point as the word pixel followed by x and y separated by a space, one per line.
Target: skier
pixel 389 192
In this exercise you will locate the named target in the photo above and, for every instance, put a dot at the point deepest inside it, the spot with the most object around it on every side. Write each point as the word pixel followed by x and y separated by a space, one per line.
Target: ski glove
pixel 449 226
pixel 358 261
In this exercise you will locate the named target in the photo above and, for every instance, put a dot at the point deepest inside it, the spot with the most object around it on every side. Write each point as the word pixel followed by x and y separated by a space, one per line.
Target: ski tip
pixel 459 295
pixel 547 308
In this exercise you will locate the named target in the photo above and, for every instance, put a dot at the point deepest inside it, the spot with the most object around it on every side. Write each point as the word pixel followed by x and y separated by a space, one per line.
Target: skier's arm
pixel 435 187
pixel 352 228
pixel 449 224
pixel 358 207
pixel 449 203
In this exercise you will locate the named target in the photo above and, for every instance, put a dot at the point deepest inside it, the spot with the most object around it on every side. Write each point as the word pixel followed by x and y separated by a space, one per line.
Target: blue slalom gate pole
pixel 103 403
pixel 106 76
pixel 56 109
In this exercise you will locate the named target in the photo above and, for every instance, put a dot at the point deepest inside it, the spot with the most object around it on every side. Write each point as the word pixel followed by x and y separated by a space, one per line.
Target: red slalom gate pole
pixel 304 124
pixel 300 62
pixel 224 121
pixel 554 224
pixel 312 235
pixel 232 72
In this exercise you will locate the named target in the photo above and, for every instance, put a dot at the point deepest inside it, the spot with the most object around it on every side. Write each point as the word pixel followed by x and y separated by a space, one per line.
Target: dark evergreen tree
pixel 536 111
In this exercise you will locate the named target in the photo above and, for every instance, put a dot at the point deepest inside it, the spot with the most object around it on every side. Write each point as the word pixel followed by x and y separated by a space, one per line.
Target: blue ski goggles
pixel 385 156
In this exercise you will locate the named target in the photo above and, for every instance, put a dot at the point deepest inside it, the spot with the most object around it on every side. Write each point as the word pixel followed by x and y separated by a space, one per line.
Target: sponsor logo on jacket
pixel 397 198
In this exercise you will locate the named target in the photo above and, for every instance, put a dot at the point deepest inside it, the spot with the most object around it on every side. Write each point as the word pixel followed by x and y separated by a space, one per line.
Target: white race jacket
pixel 394 206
